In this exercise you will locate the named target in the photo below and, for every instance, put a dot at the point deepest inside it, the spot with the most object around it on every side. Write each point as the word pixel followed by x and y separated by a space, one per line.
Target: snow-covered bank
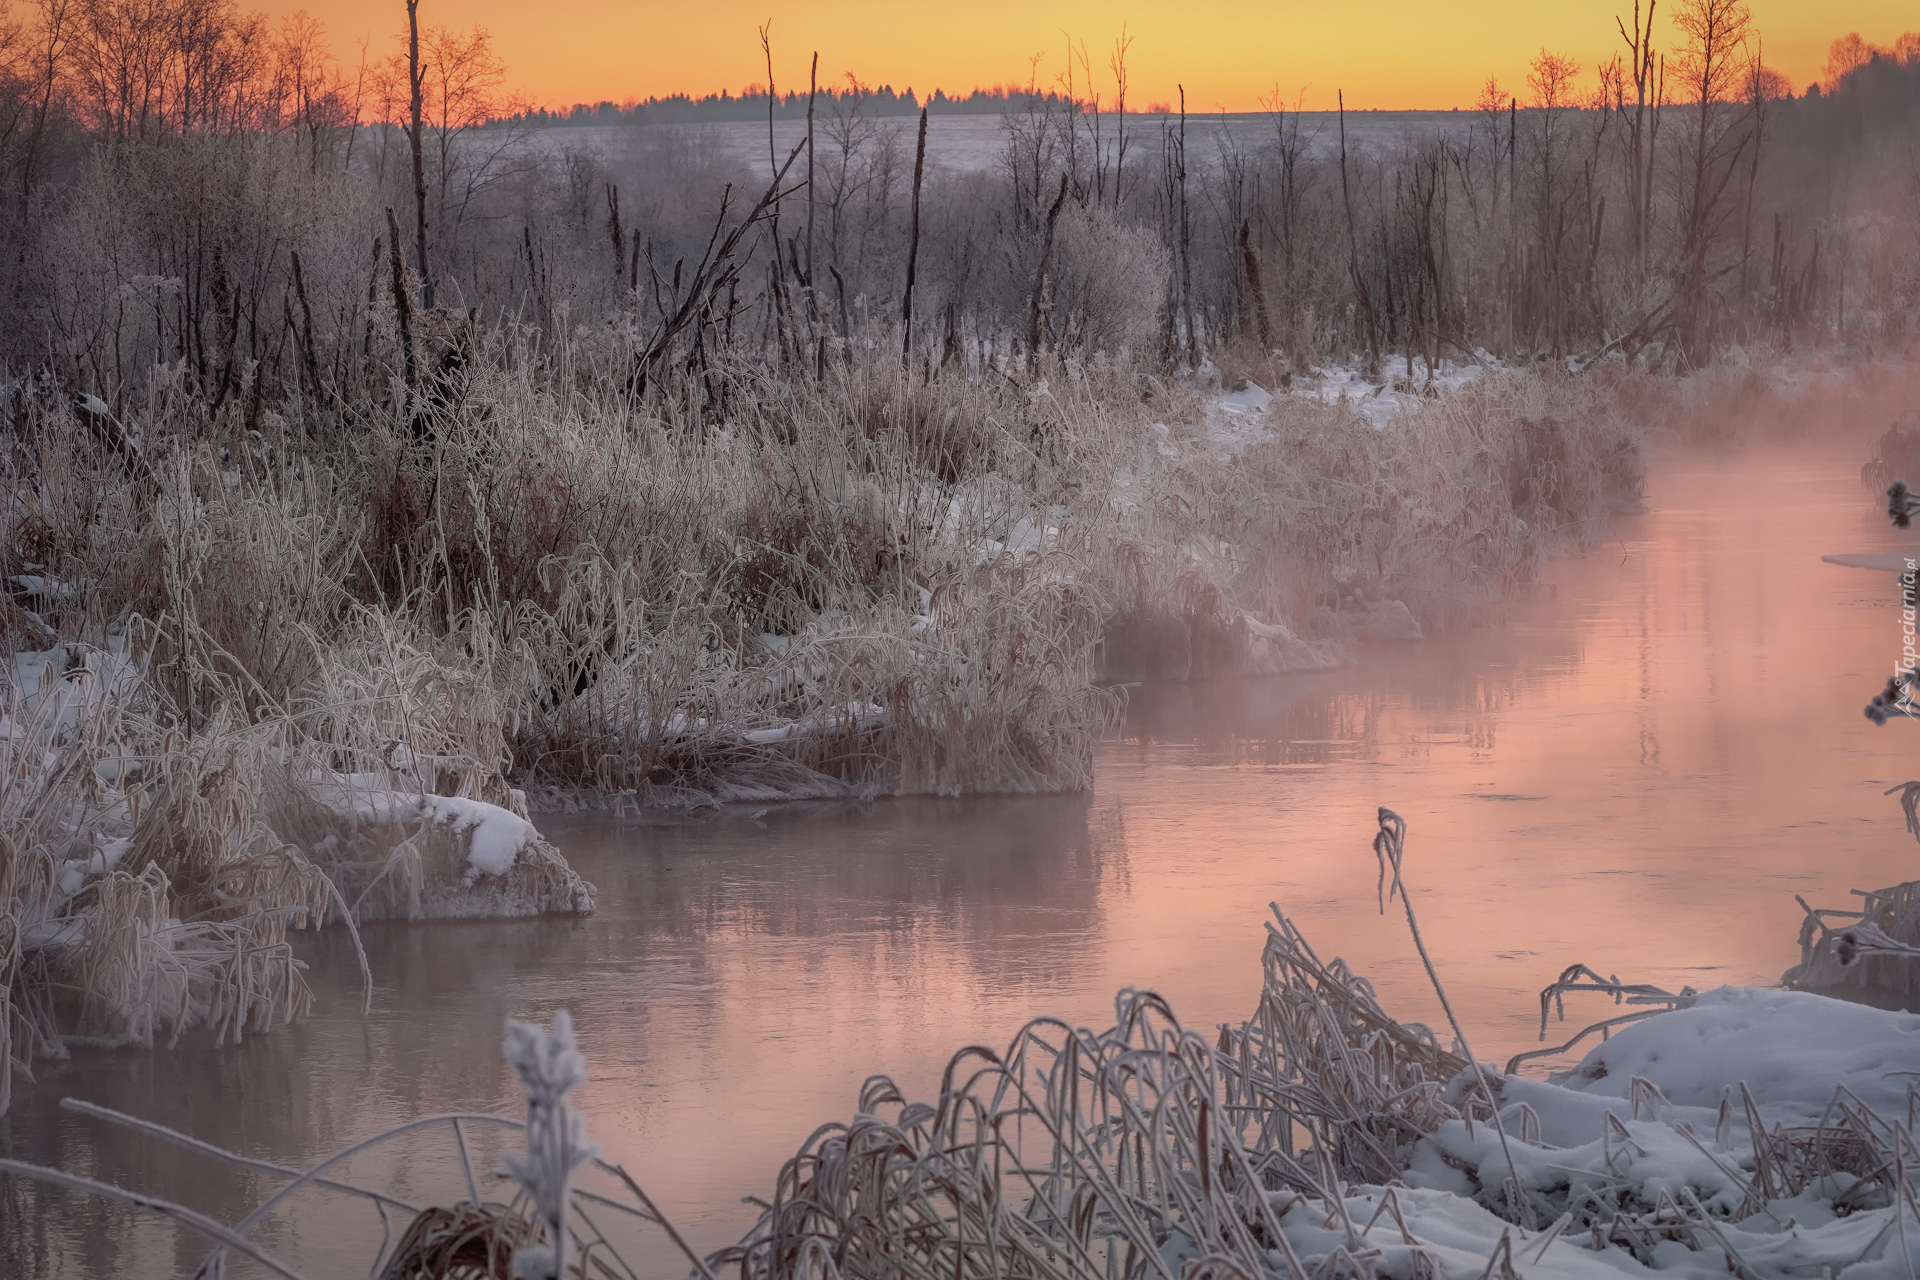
pixel 1734 1136
pixel 153 872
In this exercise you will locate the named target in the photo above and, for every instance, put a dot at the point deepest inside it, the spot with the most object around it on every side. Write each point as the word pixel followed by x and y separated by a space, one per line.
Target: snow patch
pixel 1791 1048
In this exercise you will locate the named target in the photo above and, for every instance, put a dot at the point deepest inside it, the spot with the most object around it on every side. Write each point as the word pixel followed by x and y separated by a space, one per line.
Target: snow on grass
pixel 53 688
pixel 1791 1048
pixel 1458 1238
pixel 1380 402
pixel 1652 1129
pixel 445 856
pixel 494 835
pixel 1236 420
pixel 106 856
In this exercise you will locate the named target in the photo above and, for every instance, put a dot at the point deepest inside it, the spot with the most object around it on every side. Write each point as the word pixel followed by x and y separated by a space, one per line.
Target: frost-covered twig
pixel 1580 977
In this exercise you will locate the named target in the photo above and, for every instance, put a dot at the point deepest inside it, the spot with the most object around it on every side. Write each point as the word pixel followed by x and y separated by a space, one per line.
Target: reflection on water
pixel 1638 769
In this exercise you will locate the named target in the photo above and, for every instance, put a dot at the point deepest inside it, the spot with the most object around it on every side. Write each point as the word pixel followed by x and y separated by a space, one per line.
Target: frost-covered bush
pixel 1107 283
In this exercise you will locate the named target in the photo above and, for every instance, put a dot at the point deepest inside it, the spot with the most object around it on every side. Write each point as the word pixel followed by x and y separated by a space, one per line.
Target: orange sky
pixel 1229 53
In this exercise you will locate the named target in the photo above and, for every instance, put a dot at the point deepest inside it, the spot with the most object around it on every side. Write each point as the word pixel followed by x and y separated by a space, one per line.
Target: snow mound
pixel 1790 1048
pixel 401 854
pixel 1751 1133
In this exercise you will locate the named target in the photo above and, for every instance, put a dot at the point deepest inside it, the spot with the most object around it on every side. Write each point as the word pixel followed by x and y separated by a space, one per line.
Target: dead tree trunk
pixel 913 247
pixel 1186 244
pixel 616 234
pixel 403 313
pixel 1354 273
pixel 1250 261
pixel 415 84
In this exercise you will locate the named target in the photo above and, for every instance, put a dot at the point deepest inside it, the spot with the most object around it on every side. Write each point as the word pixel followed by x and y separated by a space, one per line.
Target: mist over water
pixel 1637 768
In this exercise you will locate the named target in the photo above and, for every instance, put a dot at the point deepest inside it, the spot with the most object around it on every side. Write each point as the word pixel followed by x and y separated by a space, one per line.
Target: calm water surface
pixel 1638 769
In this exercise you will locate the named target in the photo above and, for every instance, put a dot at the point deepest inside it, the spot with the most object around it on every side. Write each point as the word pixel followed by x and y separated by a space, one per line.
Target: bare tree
pixel 1295 180
pixel 1763 85
pixel 312 95
pixel 1844 57
pixel 16 87
pixel 453 83
pixel 1708 65
pixel 159 67
pixel 463 80
pixel 1648 72
pixel 54 36
pixel 1117 63
pixel 1551 77
pixel 859 171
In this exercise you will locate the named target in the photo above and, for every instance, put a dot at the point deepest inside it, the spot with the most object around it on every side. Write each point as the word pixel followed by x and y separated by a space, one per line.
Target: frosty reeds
pixel 673 605
pixel 154 874
pixel 1319 1137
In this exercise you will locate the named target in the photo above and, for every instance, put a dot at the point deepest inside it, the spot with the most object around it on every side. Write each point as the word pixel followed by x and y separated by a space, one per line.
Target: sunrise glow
pixel 1231 55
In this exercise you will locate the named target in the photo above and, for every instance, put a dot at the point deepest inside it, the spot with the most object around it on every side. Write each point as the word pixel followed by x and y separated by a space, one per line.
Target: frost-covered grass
pixel 1745 1132
pixel 746 585
pixel 770 586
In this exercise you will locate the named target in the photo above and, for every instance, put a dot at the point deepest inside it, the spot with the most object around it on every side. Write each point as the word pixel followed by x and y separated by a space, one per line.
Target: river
pixel 1638 767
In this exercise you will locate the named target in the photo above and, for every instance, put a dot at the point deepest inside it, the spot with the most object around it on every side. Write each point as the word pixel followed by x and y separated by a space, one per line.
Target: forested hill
pixel 751 104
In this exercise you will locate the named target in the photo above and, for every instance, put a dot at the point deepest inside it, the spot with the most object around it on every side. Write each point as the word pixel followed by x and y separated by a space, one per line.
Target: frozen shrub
pixel 1107 283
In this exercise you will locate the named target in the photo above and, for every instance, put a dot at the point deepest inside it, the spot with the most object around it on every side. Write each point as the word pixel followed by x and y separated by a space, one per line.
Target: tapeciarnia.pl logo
pixel 1909 658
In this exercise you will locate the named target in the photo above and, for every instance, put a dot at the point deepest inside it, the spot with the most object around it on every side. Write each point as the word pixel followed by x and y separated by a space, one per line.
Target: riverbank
pixel 870 585
pixel 271 678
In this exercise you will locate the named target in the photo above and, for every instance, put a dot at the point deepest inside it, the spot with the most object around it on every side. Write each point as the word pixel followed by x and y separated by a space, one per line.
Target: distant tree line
pixel 752 104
